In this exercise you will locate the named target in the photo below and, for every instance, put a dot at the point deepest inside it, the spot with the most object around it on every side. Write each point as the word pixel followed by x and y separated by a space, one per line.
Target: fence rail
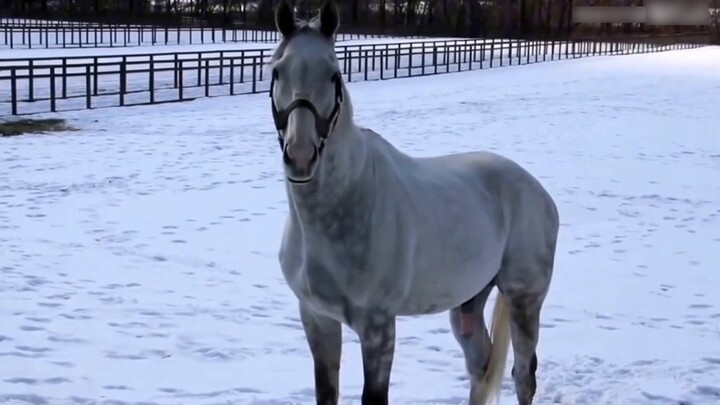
pixel 70 83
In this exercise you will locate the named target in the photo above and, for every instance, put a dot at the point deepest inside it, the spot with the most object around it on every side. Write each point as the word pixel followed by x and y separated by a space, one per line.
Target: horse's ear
pixel 329 19
pixel 285 18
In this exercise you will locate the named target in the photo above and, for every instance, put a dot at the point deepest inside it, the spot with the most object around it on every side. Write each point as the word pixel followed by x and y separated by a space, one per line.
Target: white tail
pixel 489 387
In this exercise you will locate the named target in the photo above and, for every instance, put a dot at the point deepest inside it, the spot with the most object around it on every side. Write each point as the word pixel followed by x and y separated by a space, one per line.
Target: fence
pixel 71 83
pixel 94 35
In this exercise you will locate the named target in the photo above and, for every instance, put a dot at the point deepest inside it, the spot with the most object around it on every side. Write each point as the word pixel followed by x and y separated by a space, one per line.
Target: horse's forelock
pixel 304 27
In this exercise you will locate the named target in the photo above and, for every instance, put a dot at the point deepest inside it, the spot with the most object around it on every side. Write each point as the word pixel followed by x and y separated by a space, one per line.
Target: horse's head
pixel 307 89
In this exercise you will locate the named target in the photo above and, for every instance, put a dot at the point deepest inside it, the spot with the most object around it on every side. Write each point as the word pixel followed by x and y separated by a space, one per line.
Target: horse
pixel 373 233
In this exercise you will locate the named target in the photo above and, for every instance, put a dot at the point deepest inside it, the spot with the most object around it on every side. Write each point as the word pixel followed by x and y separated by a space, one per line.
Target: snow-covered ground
pixel 139 254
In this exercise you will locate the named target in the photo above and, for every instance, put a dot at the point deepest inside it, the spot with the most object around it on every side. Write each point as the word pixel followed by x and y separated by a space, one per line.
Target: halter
pixel 323 126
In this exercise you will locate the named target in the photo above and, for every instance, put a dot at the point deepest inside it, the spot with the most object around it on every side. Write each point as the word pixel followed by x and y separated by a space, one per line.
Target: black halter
pixel 323 126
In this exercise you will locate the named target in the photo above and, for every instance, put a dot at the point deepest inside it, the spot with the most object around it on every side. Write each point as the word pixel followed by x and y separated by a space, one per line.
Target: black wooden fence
pixel 32 36
pixel 70 83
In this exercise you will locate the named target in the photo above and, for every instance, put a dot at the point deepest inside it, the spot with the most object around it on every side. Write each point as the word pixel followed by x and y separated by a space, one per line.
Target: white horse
pixel 373 233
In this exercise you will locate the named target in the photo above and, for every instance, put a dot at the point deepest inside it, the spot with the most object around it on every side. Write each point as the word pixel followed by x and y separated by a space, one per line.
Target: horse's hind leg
pixel 526 288
pixel 524 329
pixel 475 347
pixel 324 336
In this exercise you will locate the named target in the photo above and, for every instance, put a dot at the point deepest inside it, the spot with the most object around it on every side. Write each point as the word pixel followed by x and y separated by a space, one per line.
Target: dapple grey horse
pixel 373 233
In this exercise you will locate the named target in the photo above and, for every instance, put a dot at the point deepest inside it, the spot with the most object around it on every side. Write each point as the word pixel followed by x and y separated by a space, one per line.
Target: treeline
pixel 471 18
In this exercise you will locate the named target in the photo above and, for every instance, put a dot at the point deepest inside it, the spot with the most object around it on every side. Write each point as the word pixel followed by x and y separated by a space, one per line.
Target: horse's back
pixel 475 182
pixel 509 181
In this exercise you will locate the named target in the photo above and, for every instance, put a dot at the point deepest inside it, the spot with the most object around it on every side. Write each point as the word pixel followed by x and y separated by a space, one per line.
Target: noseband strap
pixel 323 125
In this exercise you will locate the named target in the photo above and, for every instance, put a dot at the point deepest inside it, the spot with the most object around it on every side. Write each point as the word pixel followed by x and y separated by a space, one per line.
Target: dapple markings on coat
pixel 373 233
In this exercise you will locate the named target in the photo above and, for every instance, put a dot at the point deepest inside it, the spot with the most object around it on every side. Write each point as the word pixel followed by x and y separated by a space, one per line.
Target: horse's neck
pixel 344 183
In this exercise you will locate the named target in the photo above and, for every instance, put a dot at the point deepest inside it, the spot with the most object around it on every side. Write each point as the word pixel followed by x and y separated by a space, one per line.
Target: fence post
pixel 221 81
pixel 254 74
pixel 519 48
pixel 382 65
pixel 176 69
pixel 367 56
pixel 123 68
pixel 95 75
pixel 458 55
pixel 528 51
pixel 207 77
pixel 446 56
pixel 510 47
pixel 199 69
pixel 410 60
pixel 396 60
pixel 152 79
pixel 472 54
pixel 52 89
pixel 348 59
pixel 88 91
pixel 180 80
pixel 492 51
pixel 13 91
pixel 31 80
pixel 242 66
pixel 232 76
pixel 64 78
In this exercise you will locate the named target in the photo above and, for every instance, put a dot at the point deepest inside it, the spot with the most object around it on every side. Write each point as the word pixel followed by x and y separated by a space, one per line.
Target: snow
pixel 139 253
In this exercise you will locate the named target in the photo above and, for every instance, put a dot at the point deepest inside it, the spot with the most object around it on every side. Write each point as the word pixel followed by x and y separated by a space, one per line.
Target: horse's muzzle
pixel 300 162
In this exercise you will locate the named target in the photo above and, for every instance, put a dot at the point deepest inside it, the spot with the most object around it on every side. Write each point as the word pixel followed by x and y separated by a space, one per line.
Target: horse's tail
pixel 500 332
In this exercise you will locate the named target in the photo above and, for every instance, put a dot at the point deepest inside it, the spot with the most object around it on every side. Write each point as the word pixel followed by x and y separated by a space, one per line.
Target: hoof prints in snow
pixel 139 254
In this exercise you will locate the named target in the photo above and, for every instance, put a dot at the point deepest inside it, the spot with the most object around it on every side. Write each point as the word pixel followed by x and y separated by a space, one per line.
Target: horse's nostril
pixel 286 157
pixel 300 156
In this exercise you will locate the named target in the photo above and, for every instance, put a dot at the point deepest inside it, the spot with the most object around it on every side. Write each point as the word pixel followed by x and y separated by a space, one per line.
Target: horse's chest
pixel 327 262
pixel 321 288
pixel 322 279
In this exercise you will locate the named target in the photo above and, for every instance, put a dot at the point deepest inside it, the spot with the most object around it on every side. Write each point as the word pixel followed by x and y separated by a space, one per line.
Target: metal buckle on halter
pixel 323 126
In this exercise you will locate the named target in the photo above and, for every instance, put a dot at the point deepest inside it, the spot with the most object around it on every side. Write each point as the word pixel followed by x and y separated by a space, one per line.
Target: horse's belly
pixel 438 290
pixel 451 269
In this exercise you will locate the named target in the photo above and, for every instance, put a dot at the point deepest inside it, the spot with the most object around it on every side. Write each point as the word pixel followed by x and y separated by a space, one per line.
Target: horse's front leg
pixel 324 336
pixel 377 342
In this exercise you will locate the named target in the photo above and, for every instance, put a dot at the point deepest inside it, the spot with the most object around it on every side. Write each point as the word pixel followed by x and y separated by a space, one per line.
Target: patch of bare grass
pixel 18 127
